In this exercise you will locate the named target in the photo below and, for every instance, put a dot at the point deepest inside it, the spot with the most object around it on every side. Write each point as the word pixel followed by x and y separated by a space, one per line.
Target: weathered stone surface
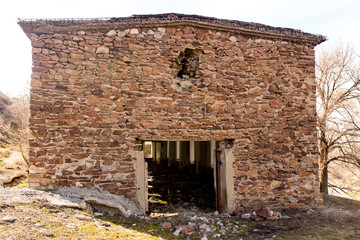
pixel 257 218
pixel 185 229
pixel 102 49
pixel 264 212
pixel 8 219
pixel 177 232
pixel 46 233
pixel 259 91
pixel 34 169
pixel 272 218
pixel 233 38
pixel 83 217
pixel 35 83
pixel 106 203
pixel 166 225
pixel 111 33
pixel 157 36
pixel 134 31
pixel 239 211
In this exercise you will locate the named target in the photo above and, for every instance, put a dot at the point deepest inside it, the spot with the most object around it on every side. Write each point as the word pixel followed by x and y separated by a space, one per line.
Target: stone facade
pixel 100 85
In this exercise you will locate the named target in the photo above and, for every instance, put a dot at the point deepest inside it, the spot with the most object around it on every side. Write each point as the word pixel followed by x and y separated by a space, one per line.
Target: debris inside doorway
pixel 172 189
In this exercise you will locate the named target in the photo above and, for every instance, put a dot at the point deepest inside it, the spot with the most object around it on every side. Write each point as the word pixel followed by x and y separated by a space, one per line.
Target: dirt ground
pixel 34 216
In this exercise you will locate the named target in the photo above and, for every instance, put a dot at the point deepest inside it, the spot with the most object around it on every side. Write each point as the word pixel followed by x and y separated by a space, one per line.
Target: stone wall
pixel 95 92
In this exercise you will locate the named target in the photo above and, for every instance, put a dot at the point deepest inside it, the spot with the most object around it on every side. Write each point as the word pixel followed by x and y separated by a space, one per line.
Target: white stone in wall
pixel 186 84
pixel 121 34
pixel 108 168
pixel 294 178
pixel 233 39
pixel 260 41
pixel 308 185
pixel 157 36
pixel 162 30
pixel 102 49
pixel 111 33
pixel 293 200
pixel 34 169
pixel 78 184
pixel 151 32
pixel 115 176
pixel 118 175
pixel 134 31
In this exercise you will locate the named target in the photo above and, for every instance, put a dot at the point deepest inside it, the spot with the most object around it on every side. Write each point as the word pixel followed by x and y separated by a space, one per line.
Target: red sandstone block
pixel 45 181
pixel 107 101
pixel 257 189
pixel 72 72
pixel 35 177
pixel 148 125
pixel 35 83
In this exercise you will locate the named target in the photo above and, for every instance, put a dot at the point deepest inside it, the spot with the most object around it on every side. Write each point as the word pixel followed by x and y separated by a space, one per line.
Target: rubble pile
pixel 212 225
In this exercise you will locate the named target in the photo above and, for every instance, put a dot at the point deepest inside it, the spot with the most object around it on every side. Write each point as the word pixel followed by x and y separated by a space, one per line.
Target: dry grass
pixel 5 153
pixel 32 219
pixel 339 215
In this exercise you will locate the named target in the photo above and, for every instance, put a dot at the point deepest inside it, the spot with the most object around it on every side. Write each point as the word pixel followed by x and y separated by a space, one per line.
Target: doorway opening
pixel 181 174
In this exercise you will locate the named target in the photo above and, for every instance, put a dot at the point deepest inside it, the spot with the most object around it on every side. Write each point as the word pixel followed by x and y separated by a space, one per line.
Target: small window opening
pixel 189 61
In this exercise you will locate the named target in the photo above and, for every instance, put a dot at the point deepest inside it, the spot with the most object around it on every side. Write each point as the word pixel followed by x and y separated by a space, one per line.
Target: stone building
pixel 230 98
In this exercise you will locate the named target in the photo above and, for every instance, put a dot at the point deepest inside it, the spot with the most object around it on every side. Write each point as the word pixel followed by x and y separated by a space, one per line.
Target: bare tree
pixel 338 94
pixel 20 109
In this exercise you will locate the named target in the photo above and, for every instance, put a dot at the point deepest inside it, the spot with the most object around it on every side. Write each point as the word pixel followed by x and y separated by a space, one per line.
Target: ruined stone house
pixel 230 98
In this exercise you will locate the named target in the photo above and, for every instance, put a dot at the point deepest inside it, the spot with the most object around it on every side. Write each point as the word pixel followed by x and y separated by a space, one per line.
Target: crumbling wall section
pixel 95 92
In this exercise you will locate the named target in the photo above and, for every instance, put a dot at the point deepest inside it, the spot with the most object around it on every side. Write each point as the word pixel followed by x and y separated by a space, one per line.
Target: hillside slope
pixel 13 169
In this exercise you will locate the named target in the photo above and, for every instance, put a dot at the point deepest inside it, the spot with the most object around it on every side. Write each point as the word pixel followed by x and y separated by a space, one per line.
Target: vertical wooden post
pixel 168 152
pixel 177 147
pixel 192 152
pixel 218 181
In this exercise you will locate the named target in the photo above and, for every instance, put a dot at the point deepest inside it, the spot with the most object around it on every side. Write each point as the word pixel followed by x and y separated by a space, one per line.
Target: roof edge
pixel 40 26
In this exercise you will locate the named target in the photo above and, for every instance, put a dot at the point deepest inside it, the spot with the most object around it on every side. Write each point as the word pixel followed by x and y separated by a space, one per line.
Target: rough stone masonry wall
pixel 95 92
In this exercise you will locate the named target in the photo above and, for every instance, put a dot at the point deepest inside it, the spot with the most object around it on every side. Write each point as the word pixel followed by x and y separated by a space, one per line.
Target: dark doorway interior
pixel 180 175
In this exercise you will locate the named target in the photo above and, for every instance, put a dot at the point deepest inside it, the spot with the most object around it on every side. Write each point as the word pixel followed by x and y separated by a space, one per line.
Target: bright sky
pixel 339 20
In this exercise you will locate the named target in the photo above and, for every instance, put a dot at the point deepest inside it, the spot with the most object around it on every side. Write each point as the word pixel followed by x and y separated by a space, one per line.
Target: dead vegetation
pixel 20 110
pixel 14 137
pixel 344 180
pixel 338 94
